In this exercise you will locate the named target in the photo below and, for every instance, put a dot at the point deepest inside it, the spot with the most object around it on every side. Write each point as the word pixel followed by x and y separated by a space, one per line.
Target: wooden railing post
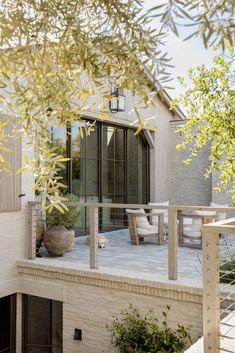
pixel 211 292
pixel 31 231
pixel 172 244
pixel 94 218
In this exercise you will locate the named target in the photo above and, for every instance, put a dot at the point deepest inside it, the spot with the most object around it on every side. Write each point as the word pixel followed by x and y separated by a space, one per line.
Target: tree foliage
pixel 210 111
pixel 58 60
pixel 212 20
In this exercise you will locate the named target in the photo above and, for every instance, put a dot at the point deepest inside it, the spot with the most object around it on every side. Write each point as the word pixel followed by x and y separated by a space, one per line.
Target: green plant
pixel 69 218
pixel 58 61
pixel 132 333
pixel 209 102
pixel 227 272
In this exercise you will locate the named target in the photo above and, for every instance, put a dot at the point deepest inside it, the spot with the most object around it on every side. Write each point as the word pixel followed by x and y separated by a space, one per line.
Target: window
pixel 137 169
pixel 7 324
pixel 110 165
pixel 42 325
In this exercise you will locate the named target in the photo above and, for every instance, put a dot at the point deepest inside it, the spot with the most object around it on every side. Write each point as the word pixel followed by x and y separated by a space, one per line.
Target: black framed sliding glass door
pixel 113 171
pixel 110 165
pixel 42 325
pixel 8 324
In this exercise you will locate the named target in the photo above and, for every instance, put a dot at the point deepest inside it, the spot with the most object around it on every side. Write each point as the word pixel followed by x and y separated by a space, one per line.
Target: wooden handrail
pixel 172 221
pixel 226 226
pixel 147 207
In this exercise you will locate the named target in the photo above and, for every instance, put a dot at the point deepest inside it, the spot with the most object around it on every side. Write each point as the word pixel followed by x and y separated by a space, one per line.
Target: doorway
pixel 8 324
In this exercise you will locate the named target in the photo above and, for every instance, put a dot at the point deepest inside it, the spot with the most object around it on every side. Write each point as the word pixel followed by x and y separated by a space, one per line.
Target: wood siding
pixel 10 184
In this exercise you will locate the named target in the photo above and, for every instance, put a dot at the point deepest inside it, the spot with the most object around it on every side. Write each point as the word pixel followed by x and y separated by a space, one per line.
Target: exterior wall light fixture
pixel 118 101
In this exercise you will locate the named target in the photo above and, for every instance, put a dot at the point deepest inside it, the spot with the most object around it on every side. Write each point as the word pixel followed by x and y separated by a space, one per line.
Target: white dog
pixel 101 241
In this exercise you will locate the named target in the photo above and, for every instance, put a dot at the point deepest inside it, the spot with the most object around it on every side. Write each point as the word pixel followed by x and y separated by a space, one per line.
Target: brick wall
pixel 90 300
pixel 188 185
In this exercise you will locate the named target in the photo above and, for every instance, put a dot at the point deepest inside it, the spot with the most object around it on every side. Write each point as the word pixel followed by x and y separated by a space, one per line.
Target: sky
pixel 185 54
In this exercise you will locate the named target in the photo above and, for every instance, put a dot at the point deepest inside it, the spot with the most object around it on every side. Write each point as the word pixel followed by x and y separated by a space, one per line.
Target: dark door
pixel 42 325
pixel 7 324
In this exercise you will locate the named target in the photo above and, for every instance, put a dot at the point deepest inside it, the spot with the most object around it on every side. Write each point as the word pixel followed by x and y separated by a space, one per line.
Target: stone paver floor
pixel 146 261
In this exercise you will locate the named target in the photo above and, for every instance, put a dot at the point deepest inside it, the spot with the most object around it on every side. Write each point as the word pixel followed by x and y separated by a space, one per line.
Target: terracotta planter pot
pixel 57 240
pixel 39 234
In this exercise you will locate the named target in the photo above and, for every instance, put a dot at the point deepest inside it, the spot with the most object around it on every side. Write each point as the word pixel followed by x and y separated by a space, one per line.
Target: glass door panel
pixel 7 324
pixel 133 178
pixel 119 186
pixel 92 144
pixel 132 146
pixel 119 153
pixel 43 322
pixel 108 142
pixel 92 177
pixel 108 177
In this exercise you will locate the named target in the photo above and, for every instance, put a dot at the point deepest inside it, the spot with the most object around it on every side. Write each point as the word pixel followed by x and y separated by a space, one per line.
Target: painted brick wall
pixel 187 183
pixel 91 303
pixel 92 308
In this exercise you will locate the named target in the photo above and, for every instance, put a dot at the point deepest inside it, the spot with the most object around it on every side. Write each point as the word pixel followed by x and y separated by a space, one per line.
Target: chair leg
pixel 181 230
pixel 132 230
pixel 134 238
pixel 160 229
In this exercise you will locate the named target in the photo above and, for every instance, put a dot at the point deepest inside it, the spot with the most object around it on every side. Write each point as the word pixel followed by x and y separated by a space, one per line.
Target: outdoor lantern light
pixel 118 101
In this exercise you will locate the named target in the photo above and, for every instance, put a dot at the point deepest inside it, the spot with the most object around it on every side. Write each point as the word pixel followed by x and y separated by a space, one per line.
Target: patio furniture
pixel 139 226
pixel 193 231
pixel 156 211
pixel 220 215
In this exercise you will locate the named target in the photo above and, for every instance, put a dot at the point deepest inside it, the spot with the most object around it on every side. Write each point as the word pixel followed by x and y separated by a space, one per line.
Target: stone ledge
pixel 95 278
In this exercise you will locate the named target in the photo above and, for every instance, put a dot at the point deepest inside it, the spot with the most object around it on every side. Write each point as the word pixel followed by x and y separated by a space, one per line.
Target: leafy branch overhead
pixel 58 59
pixel 213 21
pixel 210 107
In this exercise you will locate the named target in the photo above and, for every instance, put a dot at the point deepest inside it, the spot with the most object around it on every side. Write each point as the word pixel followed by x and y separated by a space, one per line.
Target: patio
pixel 124 272
pixel 150 261
pixel 146 261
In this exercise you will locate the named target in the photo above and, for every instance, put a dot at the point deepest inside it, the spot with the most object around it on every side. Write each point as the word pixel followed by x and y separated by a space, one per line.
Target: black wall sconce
pixel 118 101
pixel 77 334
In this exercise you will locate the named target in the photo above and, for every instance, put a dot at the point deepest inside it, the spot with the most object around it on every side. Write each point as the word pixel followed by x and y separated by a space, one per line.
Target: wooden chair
pixel 193 231
pixel 155 211
pixel 139 226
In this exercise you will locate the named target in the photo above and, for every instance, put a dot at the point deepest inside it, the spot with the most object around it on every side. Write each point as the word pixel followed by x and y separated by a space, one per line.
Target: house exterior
pixel 47 308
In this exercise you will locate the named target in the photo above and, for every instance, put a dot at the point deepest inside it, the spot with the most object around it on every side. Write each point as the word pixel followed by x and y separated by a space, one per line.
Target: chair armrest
pixel 149 214
pixel 195 216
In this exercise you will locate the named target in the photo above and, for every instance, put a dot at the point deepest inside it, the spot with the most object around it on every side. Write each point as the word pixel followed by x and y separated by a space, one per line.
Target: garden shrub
pixel 68 219
pixel 227 272
pixel 134 333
